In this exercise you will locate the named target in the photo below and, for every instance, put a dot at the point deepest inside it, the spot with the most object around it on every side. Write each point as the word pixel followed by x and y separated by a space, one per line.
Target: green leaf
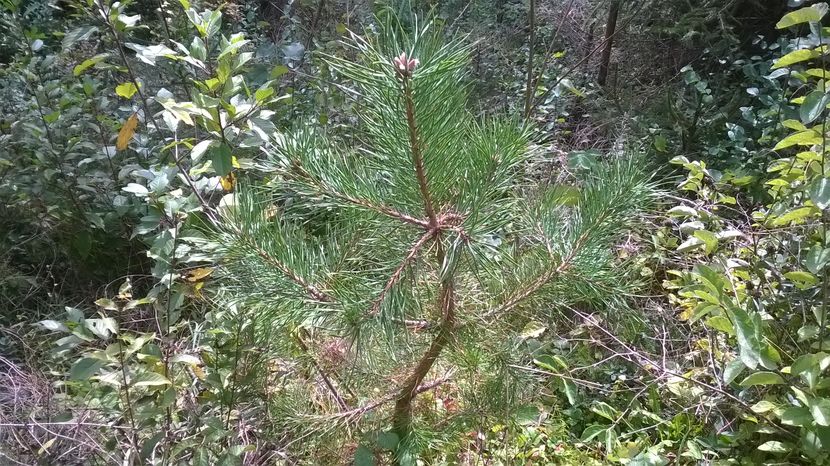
pixel 721 323
pixel 199 150
pixel 570 392
pixel 708 238
pixel 803 363
pixel 88 63
pixel 150 379
pixel 201 457
pixel 732 370
pixel 795 215
pixel 583 159
pixel 77 35
pixel 592 431
pixel 605 410
pixel 691 244
pixel 103 327
pixel 762 378
pixel 817 258
pixel 820 410
pixel 107 304
pixel 747 331
pixel 813 106
pixel 388 440
pixel 683 211
pixel 763 406
pixel 552 363
pixel 820 193
pixel 85 368
pixel 263 93
pixel 801 279
pixel 795 416
pixel 661 144
pixel 527 415
pixel 802 138
pixel 149 445
pixel 53 325
pixel 126 90
pixel 137 189
pixel 221 159
pixel 794 124
pixel 278 71
pixel 149 54
pixel 774 446
pixel 811 13
pixel 796 56
pixel 364 457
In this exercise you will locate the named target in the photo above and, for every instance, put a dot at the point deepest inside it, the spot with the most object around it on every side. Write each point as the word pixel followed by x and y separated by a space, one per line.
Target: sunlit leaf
pixel 813 106
pixel 820 193
pixel 126 90
pixel 803 138
pixel 77 35
pixel 149 379
pixel 127 132
pixel 811 13
pixel 762 378
pixel 796 56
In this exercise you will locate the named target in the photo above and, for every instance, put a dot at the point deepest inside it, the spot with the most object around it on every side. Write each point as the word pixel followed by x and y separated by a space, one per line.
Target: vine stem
pixel 133 433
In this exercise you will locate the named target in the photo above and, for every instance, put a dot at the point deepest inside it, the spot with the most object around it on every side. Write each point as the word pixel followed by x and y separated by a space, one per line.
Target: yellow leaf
pixel 197 274
pixel 271 212
pixel 127 132
pixel 126 90
pixel 46 446
pixel 228 181
pixel 198 372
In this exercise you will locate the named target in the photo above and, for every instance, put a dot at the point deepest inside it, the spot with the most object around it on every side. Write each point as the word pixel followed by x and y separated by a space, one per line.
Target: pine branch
pixel 325 190
pixel 304 347
pixel 354 414
pixel 312 290
pixel 315 294
pixel 396 276
pixel 605 199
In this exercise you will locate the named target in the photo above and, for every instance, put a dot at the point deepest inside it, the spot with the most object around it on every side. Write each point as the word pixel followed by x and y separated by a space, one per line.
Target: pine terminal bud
pixel 404 65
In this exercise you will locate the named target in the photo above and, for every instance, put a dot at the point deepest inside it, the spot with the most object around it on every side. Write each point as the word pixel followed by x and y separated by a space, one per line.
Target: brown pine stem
pixel 417 153
pixel 402 415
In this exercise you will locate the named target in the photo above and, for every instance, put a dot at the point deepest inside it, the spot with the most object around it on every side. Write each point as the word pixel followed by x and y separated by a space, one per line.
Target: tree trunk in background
pixel 610 29
pixel 529 87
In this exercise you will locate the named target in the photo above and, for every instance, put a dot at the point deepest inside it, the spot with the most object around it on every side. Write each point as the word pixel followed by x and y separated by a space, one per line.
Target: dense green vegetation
pixel 414 232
